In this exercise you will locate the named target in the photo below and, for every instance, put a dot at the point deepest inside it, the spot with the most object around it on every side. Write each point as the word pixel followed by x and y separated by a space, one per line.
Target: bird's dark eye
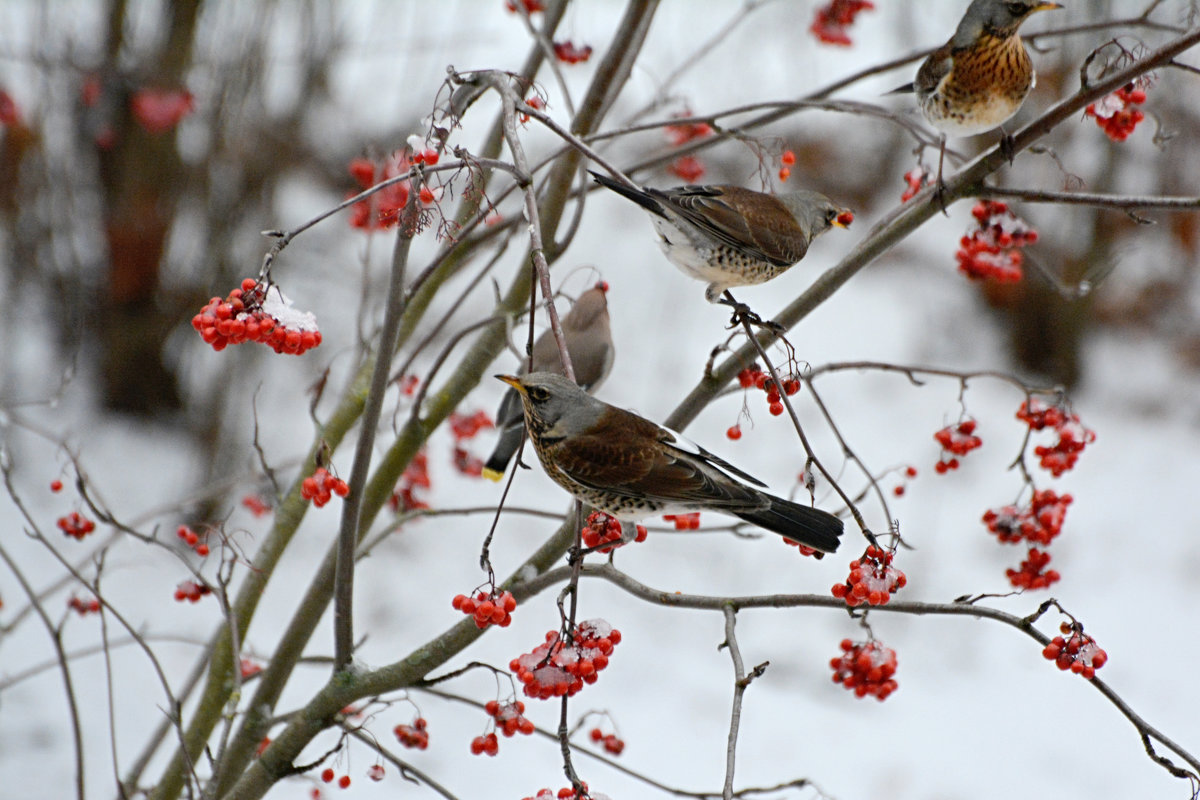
pixel 1018 9
pixel 537 394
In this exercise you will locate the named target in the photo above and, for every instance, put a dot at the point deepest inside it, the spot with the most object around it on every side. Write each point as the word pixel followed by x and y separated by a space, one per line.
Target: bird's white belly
pixel 684 254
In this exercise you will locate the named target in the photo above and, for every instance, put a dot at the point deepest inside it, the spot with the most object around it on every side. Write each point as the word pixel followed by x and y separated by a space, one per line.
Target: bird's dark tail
pixel 804 524
pixel 636 195
pixel 512 425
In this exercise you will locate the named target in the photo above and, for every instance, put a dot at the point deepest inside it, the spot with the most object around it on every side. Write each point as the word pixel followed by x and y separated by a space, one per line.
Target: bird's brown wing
pixel 726 212
pixel 630 456
pixel 934 68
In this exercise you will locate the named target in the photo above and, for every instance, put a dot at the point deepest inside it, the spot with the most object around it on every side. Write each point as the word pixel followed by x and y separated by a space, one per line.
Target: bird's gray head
pixel 553 405
pixel 815 212
pixel 999 18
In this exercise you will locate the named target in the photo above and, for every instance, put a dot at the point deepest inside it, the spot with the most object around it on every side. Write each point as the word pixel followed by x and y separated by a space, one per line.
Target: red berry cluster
pixel 321 486
pixel 684 522
pixel 160 110
pixel 1115 113
pixel 754 377
pixel 1073 437
pixel 415 735
pixel 83 607
pixel 805 550
pixel 1032 573
pixel 917 178
pixel 408 384
pixel 466 426
pixel 603 531
pixel 192 540
pixel 463 427
pixel 688 169
pixel 256 505
pixel 191 591
pixel 555 668
pixel 787 159
pixel 510 717
pixel 10 114
pixel 328 775
pixel 488 608
pixel 426 156
pixel 382 209
pixel 75 525
pixel 993 248
pixel 900 488
pixel 570 53
pixel 531 6
pixel 257 313
pixel 567 793
pixel 832 19
pixel 956 440
pixel 1077 652
pixel 609 741
pixel 682 132
pixel 1038 523
pixel 533 101
pixel 865 668
pixel 416 476
pixel 248 668
pixel 872 580
pixel 488 743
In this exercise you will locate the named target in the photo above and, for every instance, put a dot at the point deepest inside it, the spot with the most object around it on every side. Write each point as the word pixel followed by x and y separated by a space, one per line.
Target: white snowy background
pixel 979 713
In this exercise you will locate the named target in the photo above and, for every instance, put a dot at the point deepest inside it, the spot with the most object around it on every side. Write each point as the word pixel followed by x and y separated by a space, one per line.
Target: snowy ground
pixel 979 712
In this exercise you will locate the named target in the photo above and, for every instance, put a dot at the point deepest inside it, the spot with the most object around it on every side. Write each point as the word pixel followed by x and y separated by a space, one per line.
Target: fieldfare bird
pixel 978 80
pixel 729 236
pixel 631 468
pixel 589 343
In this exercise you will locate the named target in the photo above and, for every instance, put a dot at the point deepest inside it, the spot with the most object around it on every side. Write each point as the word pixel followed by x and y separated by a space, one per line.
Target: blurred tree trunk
pixel 140 173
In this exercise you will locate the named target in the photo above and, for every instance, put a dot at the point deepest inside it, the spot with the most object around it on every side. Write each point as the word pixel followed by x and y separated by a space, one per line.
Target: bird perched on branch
pixel 978 80
pixel 589 341
pixel 631 468
pixel 729 236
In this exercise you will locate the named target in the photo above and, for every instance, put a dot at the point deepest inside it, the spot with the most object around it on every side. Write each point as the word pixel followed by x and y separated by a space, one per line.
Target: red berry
pixel 327 775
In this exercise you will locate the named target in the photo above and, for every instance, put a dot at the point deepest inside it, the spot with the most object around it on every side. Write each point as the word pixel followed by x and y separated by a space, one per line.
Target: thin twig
pixel 348 533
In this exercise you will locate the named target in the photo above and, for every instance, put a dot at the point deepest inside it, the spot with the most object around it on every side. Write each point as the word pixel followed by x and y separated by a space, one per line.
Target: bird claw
pixel 1008 147
pixel 939 195
pixel 744 315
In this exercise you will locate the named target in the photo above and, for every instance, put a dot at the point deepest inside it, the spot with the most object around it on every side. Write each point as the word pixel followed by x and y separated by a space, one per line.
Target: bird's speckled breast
pixel 984 88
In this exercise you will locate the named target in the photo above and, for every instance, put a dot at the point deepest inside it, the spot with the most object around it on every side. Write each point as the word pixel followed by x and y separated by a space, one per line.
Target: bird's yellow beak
pixel 1045 7
pixel 511 380
pixel 844 219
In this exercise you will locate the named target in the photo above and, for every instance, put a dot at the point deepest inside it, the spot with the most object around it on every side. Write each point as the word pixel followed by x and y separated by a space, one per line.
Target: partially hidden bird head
pixel 815 212
pixel 999 18
pixel 552 403
pixel 590 309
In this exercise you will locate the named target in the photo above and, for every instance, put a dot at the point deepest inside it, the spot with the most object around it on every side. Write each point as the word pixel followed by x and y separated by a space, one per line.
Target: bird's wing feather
pixel 934 68
pixel 716 211
pixel 633 457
